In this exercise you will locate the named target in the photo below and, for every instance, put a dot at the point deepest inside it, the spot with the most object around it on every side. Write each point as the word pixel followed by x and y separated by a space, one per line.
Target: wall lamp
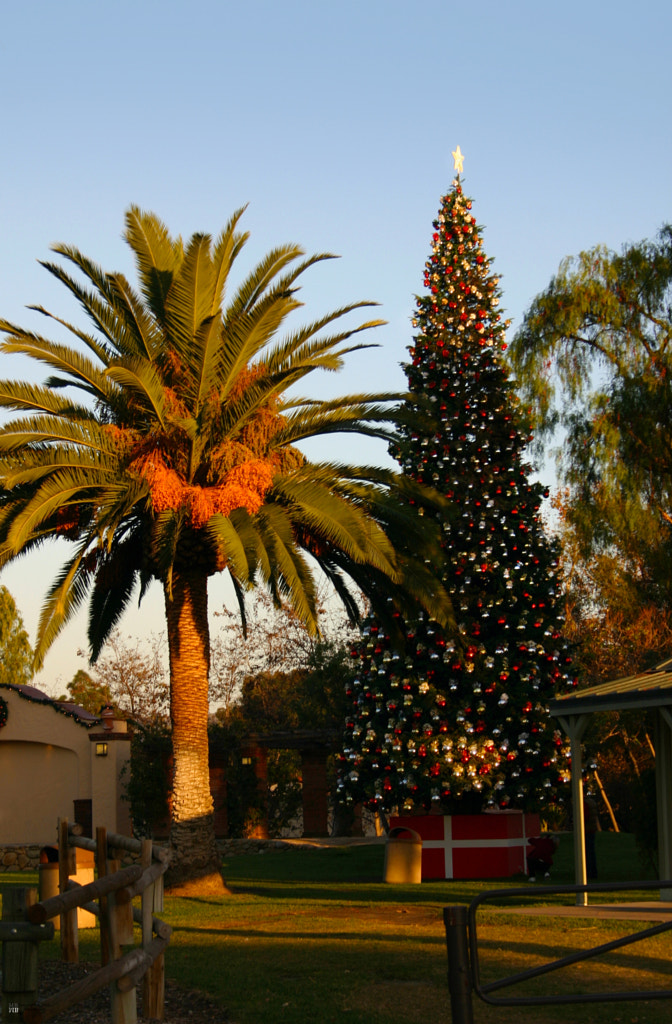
pixel 101 749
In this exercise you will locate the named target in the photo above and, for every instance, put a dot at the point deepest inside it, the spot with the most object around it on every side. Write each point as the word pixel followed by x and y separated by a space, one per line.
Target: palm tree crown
pixel 163 445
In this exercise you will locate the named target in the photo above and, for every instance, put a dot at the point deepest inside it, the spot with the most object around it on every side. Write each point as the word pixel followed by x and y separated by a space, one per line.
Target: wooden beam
pixel 44 1009
pixel 24 931
pixel 72 898
pixel 117 842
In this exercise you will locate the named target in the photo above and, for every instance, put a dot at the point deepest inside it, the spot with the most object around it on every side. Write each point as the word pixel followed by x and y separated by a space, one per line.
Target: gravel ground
pixel 182 1006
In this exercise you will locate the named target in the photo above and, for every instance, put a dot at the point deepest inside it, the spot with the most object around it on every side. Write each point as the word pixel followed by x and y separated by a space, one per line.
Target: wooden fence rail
pixel 109 898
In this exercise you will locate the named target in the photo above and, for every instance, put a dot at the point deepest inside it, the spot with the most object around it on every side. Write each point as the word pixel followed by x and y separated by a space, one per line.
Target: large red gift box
pixel 490 845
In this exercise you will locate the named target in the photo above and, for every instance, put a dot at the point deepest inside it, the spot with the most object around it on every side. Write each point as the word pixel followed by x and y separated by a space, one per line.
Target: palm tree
pixel 162 446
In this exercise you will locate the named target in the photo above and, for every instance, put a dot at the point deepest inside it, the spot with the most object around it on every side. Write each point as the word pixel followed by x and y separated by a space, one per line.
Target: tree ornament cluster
pixel 460 721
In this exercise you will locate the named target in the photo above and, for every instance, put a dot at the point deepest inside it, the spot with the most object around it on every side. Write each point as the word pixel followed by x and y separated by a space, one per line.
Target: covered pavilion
pixel 646 691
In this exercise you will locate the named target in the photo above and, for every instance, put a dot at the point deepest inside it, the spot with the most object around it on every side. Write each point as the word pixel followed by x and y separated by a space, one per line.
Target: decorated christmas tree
pixel 459 722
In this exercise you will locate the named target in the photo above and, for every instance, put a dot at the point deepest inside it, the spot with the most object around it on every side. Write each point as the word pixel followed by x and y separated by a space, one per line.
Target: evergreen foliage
pixel 16 654
pixel 458 720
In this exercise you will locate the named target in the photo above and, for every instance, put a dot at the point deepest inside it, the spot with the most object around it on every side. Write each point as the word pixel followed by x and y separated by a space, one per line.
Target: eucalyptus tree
pixel 162 445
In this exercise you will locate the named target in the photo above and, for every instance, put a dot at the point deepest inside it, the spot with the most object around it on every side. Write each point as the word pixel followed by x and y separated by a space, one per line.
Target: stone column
pixel 257 755
pixel 315 802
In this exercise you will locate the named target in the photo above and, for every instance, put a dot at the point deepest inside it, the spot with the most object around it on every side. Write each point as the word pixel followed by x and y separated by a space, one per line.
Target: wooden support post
pixel 123 1005
pixel 103 913
pixel 121 911
pixel 158 896
pixel 154 979
pixel 460 982
pixel 663 796
pixel 67 866
pixel 575 726
pixel 19 959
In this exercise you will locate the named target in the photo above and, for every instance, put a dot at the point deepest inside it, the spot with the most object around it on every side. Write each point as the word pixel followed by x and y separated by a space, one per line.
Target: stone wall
pixel 231 847
pixel 19 858
pixel 27 858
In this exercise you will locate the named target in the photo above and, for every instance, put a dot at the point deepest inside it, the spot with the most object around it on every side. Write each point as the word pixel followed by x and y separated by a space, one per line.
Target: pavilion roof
pixel 649 689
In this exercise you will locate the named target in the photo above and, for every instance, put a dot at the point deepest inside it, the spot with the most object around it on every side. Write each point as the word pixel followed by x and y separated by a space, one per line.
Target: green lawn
pixel 315 936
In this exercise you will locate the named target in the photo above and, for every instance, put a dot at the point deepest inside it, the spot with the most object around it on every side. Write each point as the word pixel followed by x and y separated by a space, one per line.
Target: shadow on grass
pixel 316 936
pixel 547 953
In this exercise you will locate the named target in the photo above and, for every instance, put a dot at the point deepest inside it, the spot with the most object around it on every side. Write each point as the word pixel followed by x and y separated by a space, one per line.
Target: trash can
pixel 403 856
pixel 48 883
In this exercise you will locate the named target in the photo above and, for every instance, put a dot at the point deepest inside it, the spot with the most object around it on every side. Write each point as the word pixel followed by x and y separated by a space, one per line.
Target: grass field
pixel 315 936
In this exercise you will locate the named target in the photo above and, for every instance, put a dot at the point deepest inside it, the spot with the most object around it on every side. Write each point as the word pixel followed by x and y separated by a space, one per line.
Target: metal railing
pixel 464 976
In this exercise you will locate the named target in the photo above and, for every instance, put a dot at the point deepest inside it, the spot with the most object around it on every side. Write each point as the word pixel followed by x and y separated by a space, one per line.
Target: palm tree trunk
pixel 192 834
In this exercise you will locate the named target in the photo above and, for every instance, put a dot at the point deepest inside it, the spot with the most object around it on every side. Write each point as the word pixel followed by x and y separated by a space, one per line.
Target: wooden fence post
pixel 460 981
pixel 123 1004
pixel 19 959
pixel 67 866
pixel 154 980
pixel 103 913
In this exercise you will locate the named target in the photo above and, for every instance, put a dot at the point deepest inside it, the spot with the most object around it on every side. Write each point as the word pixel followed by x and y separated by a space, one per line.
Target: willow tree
pixel 162 445
pixel 593 356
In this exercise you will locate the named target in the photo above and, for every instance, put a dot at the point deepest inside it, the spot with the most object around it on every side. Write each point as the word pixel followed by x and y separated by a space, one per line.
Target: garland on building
pixel 62 707
pixel 460 722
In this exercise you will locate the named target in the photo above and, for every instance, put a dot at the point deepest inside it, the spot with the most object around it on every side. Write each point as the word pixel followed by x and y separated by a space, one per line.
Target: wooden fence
pixel 114 890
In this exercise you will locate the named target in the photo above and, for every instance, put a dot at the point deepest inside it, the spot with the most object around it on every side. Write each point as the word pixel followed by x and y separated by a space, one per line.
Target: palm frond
pixel 141 378
pixel 47 498
pixel 165 534
pixel 115 582
pixel 255 284
pixel 141 326
pixel 263 317
pixel 79 371
pixel 189 301
pixel 290 575
pixel 339 581
pixel 359 413
pixel 65 597
pixel 42 430
pixel 205 359
pixel 100 349
pixel 33 466
pixel 225 252
pixel 108 309
pixel 298 348
pixel 240 598
pixel 226 537
pixel 245 336
pixel 157 257
pixel 22 396
pixel 334 520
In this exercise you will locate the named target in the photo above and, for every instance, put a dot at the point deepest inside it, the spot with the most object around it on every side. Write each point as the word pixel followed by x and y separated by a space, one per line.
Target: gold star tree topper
pixel 459 159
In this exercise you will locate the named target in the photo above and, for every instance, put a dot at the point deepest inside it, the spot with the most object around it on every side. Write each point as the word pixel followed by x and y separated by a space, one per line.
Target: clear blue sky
pixel 336 123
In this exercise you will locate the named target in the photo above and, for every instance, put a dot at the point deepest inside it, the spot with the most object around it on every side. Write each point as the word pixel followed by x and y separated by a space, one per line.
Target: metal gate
pixel 464 976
